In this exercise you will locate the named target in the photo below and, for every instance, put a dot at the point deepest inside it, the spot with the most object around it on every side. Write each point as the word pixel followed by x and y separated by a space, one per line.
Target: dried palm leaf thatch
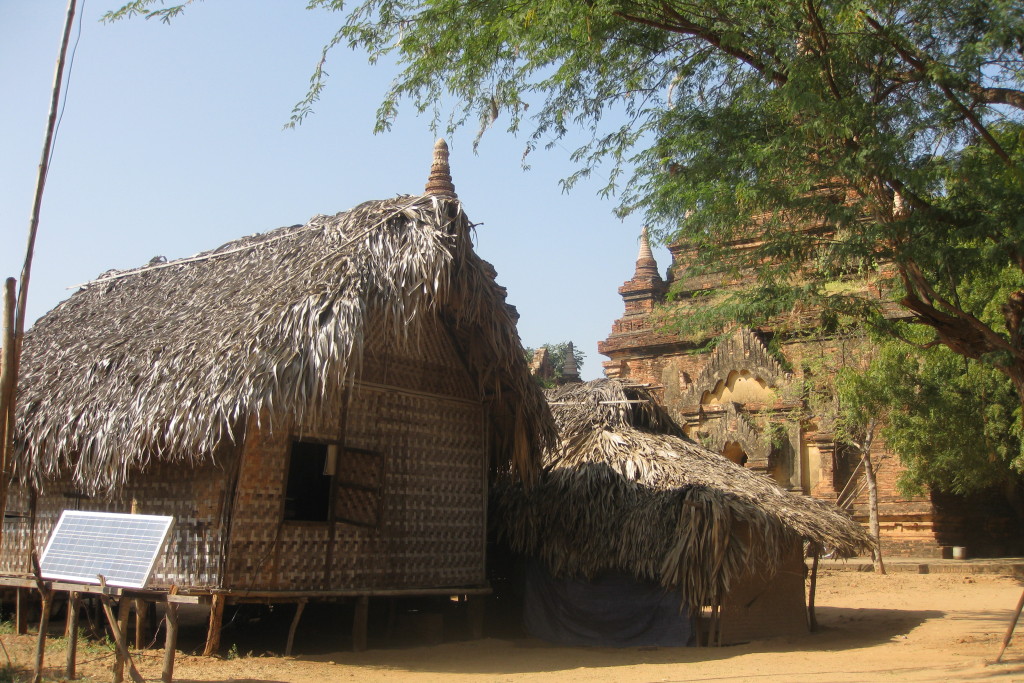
pixel 625 490
pixel 167 361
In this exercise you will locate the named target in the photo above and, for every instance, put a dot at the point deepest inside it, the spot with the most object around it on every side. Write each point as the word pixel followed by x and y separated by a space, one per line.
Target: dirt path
pixel 906 627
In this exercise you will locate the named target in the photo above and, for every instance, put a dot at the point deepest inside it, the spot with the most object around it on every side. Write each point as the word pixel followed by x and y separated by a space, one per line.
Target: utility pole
pixel 10 361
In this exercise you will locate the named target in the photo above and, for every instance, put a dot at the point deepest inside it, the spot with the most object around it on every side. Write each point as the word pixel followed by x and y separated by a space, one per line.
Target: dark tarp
pixel 612 610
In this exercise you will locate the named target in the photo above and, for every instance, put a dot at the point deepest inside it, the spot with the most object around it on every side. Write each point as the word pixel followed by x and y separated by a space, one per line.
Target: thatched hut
pixel 625 499
pixel 321 407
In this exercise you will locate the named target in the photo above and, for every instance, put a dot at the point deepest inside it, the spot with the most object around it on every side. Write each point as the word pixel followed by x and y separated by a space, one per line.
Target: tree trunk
pixel 873 525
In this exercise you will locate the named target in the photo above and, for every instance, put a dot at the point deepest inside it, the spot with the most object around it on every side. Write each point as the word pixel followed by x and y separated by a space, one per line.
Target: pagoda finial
pixel 440 181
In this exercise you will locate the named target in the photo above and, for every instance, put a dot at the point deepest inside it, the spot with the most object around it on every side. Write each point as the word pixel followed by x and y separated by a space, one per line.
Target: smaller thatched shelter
pixel 320 407
pixel 625 493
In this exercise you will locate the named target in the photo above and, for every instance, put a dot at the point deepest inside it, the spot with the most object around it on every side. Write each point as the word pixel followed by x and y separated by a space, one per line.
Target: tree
pixel 838 140
pixel 843 398
pixel 954 422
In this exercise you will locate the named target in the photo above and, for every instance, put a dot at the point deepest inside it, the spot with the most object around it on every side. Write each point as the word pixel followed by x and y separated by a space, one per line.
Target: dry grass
pixel 166 362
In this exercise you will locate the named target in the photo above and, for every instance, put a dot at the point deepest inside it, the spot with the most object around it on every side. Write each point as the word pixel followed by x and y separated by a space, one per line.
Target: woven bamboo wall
pixel 193 496
pixel 415 429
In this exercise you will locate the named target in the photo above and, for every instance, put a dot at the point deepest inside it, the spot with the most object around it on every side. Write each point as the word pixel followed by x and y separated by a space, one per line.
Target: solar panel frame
pixel 122 547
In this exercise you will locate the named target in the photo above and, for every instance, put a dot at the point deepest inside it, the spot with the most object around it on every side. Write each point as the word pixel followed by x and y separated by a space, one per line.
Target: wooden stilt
pixel 359 623
pixel 716 626
pixel 1013 625
pixel 21 611
pixel 213 631
pixel 44 624
pixel 475 609
pixel 141 612
pixel 71 633
pixel 170 643
pixel 299 607
pixel 121 654
pixel 812 617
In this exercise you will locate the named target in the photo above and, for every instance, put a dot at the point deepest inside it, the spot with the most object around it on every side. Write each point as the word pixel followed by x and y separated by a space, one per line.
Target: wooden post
pixel 1013 625
pixel 71 633
pixel 7 382
pixel 812 617
pixel 213 631
pixel 121 633
pixel 44 623
pixel 21 611
pixel 171 641
pixel 475 613
pixel 119 639
pixel 359 623
pixel 141 612
pixel 299 607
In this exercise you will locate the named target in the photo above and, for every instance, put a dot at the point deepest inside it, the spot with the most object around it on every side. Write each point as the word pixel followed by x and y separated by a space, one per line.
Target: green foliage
pixel 954 422
pixel 898 125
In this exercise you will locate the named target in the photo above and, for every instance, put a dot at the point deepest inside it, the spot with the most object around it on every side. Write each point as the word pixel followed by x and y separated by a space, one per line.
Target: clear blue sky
pixel 172 143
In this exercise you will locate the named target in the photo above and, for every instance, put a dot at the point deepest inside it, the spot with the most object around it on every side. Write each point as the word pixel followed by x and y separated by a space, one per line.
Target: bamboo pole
pixel 1013 625
pixel 26 269
pixel 7 377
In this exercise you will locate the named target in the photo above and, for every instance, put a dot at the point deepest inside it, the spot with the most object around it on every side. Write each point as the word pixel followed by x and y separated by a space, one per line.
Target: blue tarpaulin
pixel 611 610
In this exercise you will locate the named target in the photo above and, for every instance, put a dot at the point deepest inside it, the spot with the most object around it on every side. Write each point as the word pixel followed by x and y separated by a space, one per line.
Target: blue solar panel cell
pixel 122 548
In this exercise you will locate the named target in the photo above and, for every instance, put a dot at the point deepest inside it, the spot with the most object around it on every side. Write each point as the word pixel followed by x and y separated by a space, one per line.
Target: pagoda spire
pixel 440 181
pixel 646 266
pixel 570 371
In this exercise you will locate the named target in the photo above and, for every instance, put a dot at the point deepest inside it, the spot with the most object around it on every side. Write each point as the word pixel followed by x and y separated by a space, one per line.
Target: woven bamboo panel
pixel 427 362
pixel 194 497
pixel 410 480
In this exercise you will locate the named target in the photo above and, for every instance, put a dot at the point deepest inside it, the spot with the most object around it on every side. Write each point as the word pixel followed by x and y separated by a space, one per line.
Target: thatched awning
pixel 626 491
pixel 167 361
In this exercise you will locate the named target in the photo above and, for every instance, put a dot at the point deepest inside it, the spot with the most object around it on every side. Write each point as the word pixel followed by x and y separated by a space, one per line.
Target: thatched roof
pixel 165 362
pixel 626 491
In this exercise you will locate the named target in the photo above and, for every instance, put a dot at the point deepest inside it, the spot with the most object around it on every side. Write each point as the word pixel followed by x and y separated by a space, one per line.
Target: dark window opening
pixel 308 496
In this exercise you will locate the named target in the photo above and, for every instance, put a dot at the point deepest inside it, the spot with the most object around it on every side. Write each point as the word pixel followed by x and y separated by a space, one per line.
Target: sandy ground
pixel 907 627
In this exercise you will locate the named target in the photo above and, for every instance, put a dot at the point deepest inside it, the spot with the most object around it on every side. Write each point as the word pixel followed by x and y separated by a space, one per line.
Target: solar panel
pixel 123 548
